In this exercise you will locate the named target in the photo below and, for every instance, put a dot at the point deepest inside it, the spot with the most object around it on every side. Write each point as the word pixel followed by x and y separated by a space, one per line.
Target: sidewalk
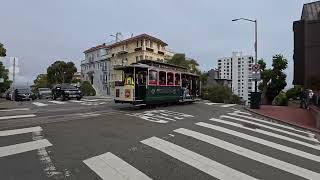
pixel 5 104
pixel 291 115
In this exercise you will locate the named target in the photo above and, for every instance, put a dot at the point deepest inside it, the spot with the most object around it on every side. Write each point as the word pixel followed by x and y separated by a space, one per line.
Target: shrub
pixel 87 89
pixel 281 99
pixel 293 92
pixel 219 94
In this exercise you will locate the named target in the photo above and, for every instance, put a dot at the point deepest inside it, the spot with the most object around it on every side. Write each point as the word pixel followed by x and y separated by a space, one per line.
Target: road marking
pixel 57 102
pixel 228 105
pixel 39 104
pixel 296 170
pixel 23 147
pixel 76 101
pixel 89 114
pixel 19 109
pixel 240 112
pixel 17 116
pixel 314 146
pixel 20 131
pixel 272 128
pixel 210 104
pixel 262 142
pixel 271 123
pixel 160 116
pixel 195 160
pixel 109 166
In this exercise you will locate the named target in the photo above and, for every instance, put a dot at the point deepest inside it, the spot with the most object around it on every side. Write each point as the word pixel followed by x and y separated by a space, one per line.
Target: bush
pixel 219 94
pixel 87 89
pixel 281 99
pixel 293 92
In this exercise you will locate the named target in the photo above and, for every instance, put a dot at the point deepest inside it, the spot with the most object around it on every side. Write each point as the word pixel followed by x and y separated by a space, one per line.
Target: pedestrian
pixel 310 96
pixel 303 98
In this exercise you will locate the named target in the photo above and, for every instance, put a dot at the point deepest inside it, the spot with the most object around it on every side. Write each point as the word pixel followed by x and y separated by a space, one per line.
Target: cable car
pixel 149 82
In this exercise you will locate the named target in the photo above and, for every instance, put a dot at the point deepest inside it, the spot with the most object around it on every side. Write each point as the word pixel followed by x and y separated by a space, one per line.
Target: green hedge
pixel 281 99
pixel 219 94
pixel 87 89
pixel 294 92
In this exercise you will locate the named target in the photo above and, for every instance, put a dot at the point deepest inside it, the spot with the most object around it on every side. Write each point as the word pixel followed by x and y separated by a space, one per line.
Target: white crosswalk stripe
pixel 228 105
pixel 58 102
pixel 262 141
pixel 39 104
pixel 314 146
pixel 302 172
pixel 20 131
pixel 19 109
pixel 109 166
pixel 17 116
pixel 272 128
pixel 198 161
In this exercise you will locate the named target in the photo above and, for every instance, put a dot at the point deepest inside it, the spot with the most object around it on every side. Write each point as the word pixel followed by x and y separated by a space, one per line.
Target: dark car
pixel 66 91
pixel 20 94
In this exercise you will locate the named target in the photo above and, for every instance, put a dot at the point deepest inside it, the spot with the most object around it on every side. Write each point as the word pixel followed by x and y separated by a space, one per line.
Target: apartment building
pixel 238 69
pixel 99 63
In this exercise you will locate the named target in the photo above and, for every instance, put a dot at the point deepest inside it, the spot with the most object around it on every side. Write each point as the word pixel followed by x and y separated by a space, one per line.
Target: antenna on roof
pixel 117 36
pixel 131 34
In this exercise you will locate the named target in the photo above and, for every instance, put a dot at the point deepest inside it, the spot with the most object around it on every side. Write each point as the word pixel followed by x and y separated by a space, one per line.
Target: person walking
pixel 303 99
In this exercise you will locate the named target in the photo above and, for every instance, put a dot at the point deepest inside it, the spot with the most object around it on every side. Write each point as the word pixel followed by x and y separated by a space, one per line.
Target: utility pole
pixel 117 36
pixel 14 71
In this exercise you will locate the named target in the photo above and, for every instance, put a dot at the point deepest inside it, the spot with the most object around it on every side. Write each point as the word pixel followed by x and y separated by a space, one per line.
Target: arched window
pixel 162 78
pixel 170 79
pixel 153 77
pixel 177 80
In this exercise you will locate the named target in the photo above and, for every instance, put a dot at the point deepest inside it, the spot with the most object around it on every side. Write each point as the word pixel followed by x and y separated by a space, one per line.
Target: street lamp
pixel 255 45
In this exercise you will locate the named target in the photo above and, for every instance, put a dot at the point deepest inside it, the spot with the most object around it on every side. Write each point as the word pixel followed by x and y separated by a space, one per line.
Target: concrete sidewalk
pixel 290 115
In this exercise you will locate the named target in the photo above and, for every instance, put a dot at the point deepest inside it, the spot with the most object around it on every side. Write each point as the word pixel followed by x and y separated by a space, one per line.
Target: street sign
pixel 1 80
pixel 256 67
pixel 256 75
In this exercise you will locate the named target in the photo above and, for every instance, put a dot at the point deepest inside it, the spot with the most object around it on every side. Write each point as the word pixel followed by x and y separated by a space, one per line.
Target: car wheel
pixel 78 98
pixel 40 97
pixel 63 98
pixel 54 97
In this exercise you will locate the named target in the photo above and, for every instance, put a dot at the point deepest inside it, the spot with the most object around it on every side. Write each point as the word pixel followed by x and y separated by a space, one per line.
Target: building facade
pixel 238 69
pixel 99 63
pixel 214 79
pixel 307 46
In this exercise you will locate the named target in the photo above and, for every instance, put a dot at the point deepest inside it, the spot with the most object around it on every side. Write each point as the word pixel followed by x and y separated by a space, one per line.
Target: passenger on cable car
pixel 170 79
pixel 129 80
pixel 163 80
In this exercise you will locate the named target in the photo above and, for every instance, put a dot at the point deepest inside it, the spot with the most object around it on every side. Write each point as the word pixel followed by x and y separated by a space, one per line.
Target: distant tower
pixel 117 36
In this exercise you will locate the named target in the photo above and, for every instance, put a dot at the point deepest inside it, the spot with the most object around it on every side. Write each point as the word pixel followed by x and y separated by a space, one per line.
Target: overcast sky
pixel 40 32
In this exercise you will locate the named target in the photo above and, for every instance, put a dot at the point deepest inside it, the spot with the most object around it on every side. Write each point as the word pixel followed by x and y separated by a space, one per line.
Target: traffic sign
pixel 256 75
pixel 256 67
pixel 1 80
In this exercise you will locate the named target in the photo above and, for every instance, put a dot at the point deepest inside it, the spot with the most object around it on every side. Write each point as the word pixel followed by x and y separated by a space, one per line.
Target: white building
pixel 95 68
pixel 238 68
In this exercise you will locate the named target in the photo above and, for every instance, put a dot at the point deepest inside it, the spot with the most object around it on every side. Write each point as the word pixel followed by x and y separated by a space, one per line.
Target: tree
pixel 273 80
pixel 180 60
pixel 41 81
pixel 87 89
pixel 2 51
pixel 4 72
pixel 219 94
pixel 60 72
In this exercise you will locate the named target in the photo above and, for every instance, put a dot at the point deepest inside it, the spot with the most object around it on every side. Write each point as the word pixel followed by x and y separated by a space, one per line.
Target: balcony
pixel 161 52
pixel 149 49
pixel 122 52
pixel 138 49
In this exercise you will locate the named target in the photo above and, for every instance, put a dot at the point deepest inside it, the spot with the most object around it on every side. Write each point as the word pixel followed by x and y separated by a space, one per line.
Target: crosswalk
pixel 229 133
pixel 221 105
pixel 86 102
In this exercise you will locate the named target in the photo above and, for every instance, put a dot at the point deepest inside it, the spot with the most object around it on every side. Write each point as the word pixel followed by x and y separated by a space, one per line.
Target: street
pixel 97 139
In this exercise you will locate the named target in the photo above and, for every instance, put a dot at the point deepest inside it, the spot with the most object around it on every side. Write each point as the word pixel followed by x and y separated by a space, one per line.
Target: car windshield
pixel 68 86
pixel 44 89
pixel 24 90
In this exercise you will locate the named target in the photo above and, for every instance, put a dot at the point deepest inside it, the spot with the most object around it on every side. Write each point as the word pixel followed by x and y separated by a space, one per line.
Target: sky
pixel 40 32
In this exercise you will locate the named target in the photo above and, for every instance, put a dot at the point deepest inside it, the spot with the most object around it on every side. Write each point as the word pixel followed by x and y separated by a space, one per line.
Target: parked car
pixel 66 91
pixel 23 93
pixel 44 93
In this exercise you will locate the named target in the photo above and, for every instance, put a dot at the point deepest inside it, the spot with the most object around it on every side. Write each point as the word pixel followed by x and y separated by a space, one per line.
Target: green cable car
pixel 149 82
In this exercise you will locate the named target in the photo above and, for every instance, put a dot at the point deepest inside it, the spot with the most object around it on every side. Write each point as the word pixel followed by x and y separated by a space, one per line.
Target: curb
pixel 285 122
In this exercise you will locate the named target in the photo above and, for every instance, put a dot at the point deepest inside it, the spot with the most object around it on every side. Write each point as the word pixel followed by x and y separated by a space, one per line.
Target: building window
pixel 151 44
pixel 137 58
pixel 137 43
pixel 141 57
pixel 141 43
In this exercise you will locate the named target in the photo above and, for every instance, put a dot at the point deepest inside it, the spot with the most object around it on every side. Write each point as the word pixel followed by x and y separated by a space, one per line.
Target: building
pixel 95 68
pixel 307 46
pixel 99 62
pixel 76 76
pixel 238 69
pixel 214 79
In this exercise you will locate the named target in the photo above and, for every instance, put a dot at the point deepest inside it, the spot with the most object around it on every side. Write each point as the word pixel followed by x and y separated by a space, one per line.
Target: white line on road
pixel 240 112
pixel 262 142
pixel 20 109
pixel 109 166
pixel 39 104
pixel 271 123
pixel 20 131
pixel 314 146
pixel 57 102
pixel 76 101
pixel 272 128
pixel 227 105
pixel 299 171
pixel 212 104
pixel 23 147
pixel 195 160
pixel 17 116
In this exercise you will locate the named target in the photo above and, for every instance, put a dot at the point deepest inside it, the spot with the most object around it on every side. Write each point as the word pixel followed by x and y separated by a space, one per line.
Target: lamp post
pixel 255 45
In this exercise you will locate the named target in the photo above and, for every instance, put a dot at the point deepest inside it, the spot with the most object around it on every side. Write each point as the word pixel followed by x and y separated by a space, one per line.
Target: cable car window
pixel 153 77
pixel 170 78
pixel 177 80
pixel 162 78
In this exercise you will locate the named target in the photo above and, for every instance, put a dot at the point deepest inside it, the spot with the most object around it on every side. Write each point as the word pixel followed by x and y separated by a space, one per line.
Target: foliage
pixel 41 81
pixel 294 92
pixel 2 50
pixel 204 78
pixel 281 99
pixel 180 60
pixel 60 72
pixel 87 89
pixel 274 79
pixel 4 72
pixel 219 94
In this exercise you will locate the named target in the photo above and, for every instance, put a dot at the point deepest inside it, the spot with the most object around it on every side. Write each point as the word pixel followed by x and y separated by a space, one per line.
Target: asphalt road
pixel 97 139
